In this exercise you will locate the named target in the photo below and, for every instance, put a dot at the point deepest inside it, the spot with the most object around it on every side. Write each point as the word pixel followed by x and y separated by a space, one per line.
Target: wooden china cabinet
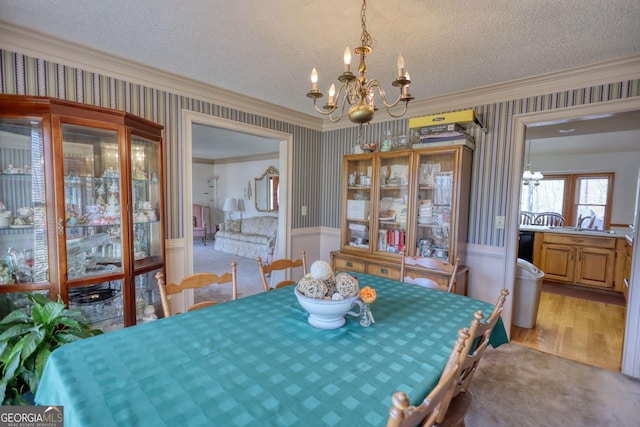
pixel 410 200
pixel 82 208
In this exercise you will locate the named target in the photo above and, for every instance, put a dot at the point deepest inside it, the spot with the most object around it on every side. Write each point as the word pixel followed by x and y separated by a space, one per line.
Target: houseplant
pixel 26 341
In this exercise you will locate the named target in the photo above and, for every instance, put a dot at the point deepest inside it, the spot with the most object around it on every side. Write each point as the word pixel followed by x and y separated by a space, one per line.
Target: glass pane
pixel 148 303
pixel 92 201
pixel 592 201
pixel 392 203
pixel 145 160
pixel 547 196
pixel 101 304
pixel 17 301
pixel 358 195
pixel 434 203
pixel 23 237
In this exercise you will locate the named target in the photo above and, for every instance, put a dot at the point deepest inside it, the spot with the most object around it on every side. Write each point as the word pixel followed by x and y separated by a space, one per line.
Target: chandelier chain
pixel 365 38
pixel 358 91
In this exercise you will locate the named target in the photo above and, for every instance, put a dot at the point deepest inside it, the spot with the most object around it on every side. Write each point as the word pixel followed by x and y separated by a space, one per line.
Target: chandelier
pixel 528 176
pixel 358 91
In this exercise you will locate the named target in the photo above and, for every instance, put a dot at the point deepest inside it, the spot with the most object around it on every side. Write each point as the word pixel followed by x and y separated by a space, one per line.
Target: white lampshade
pixel 230 205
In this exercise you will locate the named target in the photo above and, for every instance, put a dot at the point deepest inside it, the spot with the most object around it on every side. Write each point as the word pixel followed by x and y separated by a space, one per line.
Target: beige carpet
pixel 520 386
pixel 207 259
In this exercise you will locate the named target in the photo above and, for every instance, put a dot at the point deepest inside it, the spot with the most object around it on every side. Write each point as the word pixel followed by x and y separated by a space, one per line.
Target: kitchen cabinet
pixel 581 260
pixel 83 208
pixel 413 201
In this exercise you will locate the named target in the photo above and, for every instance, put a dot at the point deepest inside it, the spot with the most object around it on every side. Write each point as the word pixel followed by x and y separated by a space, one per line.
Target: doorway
pixel 631 349
pixel 191 118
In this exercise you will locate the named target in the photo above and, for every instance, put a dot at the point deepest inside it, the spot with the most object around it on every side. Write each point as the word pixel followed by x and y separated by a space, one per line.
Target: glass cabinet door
pixel 24 248
pixel 147 225
pixel 145 161
pixel 434 204
pixel 393 199
pixel 93 210
pixel 358 172
pixel 148 303
pixel 92 201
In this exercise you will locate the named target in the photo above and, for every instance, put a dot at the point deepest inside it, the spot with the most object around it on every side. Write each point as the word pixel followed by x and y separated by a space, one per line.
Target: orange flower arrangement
pixel 368 295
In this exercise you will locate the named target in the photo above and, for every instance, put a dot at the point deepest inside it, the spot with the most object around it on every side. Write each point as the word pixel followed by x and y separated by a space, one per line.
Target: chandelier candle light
pixel 358 91
pixel 527 175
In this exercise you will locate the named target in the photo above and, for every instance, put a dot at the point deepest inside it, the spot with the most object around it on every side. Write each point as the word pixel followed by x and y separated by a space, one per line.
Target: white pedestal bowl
pixel 328 314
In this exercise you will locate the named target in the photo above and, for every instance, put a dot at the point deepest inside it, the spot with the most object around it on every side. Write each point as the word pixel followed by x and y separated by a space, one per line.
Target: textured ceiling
pixel 266 49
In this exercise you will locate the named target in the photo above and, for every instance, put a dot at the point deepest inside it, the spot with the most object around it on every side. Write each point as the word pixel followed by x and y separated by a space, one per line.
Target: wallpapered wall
pixel 491 160
pixel 317 156
pixel 24 75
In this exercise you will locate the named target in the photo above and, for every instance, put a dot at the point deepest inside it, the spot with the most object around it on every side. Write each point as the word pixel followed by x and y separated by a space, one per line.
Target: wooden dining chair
pixel 402 414
pixel 550 219
pixel 281 264
pixel 527 218
pixel 196 281
pixel 457 401
pixel 428 263
pixel 586 221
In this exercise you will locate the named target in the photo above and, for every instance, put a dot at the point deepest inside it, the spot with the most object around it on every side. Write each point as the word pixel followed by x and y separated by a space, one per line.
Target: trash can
pixel 527 294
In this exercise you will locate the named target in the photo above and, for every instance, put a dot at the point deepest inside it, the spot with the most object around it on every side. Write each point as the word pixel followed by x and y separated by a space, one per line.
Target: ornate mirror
pixel 266 190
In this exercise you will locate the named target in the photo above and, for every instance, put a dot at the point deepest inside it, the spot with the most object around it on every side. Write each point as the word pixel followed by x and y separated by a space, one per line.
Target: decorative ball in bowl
pixel 326 313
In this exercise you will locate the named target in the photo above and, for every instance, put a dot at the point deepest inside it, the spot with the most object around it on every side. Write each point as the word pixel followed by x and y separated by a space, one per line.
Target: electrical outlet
pixel 303 211
pixel 500 222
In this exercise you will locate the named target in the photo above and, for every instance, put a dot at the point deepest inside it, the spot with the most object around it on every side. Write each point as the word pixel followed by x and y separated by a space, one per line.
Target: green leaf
pixel 31 342
pixel 13 361
pixel 66 338
pixel 51 312
pixel 70 323
pixel 4 345
pixel 40 299
pixel 15 316
pixel 37 313
pixel 41 361
pixel 16 331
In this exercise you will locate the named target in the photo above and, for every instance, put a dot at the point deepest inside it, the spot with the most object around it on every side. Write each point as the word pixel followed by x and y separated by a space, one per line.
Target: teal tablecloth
pixel 255 361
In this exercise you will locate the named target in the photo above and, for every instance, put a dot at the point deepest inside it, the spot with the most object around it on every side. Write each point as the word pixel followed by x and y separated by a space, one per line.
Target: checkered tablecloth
pixel 256 361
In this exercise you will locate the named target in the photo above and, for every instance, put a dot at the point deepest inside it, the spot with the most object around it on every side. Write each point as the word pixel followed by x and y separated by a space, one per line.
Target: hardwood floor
pixel 580 329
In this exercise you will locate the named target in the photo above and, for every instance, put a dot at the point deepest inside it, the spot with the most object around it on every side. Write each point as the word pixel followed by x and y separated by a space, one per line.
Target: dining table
pixel 257 361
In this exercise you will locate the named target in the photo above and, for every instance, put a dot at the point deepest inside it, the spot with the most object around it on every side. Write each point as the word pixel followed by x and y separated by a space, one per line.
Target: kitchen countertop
pixel 619 232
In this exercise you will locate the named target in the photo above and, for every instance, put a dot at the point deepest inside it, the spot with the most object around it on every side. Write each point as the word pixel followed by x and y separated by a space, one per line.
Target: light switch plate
pixel 500 222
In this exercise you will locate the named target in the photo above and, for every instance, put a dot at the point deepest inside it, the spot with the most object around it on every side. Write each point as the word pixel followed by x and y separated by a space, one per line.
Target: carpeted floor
pixel 207 259
pixel 519 386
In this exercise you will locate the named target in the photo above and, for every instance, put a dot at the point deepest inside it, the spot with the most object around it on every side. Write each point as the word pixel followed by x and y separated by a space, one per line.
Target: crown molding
pixel 39 45
pixel 616 70
pixel 29 42
pixel 242 159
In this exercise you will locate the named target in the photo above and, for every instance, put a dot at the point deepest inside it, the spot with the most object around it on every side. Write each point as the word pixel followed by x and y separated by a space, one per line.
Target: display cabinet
pixel 414 201
pixel 82 208
pixel 356 230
